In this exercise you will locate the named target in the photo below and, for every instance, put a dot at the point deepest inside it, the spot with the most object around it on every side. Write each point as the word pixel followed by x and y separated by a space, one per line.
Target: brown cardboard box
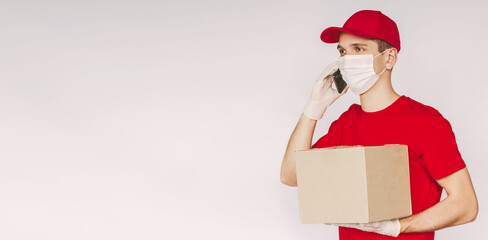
pixel 354 184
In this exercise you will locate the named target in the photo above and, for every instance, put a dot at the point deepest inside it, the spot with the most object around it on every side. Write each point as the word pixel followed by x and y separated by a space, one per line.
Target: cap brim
pixel 331 34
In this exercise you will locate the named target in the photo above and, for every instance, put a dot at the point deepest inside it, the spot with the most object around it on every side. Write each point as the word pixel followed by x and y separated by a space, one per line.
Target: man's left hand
pixel 388 227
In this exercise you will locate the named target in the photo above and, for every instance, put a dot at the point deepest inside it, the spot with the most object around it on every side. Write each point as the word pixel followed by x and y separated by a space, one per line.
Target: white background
pixel 170 119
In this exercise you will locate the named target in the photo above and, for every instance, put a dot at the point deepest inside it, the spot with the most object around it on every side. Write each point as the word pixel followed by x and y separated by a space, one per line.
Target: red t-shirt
pixel 432 150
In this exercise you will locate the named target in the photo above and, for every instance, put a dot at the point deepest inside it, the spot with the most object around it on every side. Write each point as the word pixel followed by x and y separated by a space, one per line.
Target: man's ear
pixel 391 58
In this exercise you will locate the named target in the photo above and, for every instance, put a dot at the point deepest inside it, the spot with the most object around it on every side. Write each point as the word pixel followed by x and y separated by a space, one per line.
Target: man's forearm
pixel 301 139
pixel 459 207
pixel 443 214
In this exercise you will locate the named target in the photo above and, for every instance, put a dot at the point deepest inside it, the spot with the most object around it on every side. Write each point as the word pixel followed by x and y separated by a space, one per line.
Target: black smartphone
pixel 338 81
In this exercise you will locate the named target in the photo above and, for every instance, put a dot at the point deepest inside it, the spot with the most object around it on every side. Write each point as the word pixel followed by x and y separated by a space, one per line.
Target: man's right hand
pixel 323 95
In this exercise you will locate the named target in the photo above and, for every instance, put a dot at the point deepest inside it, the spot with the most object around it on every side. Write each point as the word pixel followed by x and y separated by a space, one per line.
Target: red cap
pixel 367 24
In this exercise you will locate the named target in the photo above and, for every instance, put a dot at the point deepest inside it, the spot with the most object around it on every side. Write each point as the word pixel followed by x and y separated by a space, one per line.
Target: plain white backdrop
pixel 170 119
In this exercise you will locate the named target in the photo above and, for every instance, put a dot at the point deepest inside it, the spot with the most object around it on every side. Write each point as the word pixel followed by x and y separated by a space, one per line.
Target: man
pixel 368 45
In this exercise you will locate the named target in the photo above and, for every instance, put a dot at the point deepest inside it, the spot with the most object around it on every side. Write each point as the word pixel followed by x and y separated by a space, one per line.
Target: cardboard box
pixel 353 184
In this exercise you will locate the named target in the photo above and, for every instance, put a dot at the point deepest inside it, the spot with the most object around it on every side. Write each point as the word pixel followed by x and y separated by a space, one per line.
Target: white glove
pixel 388 227
pixel 323 95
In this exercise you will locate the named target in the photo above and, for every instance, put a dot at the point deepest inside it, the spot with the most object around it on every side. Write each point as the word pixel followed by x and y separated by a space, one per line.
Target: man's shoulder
pixel 353 108
pixel 426 113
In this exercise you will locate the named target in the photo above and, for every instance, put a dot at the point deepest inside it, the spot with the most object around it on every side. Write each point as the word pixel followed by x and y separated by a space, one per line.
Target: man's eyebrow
pixel 353 44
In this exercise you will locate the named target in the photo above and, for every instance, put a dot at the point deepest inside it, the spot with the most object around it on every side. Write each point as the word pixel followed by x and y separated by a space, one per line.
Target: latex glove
pixel 388 227
pixel 323 95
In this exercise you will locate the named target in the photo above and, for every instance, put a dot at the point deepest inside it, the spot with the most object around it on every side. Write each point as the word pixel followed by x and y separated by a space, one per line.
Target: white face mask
pixel 358 72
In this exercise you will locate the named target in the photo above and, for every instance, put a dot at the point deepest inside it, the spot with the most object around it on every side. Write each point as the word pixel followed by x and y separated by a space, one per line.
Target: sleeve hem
pixel 449 171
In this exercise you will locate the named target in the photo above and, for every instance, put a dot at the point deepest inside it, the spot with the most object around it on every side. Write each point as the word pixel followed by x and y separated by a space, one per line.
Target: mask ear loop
pixel 382 72
pixel 382 52
pixel 385 66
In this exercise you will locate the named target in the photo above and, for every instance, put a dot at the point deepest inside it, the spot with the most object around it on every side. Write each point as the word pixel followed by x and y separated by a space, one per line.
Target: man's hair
pixel 382 44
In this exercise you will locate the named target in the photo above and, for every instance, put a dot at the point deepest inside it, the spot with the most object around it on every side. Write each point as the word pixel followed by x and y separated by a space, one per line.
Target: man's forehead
pixel 350 40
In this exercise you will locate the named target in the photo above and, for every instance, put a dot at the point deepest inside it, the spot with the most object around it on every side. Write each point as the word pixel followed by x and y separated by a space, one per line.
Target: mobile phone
pixel 338 81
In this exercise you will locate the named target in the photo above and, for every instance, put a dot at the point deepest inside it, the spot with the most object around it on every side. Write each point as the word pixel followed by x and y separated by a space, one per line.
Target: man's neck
pixel 380 96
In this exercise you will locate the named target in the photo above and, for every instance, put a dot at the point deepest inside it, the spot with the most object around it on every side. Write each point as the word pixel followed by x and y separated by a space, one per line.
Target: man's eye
pixel 358 49
pixel 341 51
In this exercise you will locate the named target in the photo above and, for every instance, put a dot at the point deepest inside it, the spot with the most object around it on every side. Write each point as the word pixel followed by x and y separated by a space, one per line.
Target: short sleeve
pixel 329 139
pixel 440 156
